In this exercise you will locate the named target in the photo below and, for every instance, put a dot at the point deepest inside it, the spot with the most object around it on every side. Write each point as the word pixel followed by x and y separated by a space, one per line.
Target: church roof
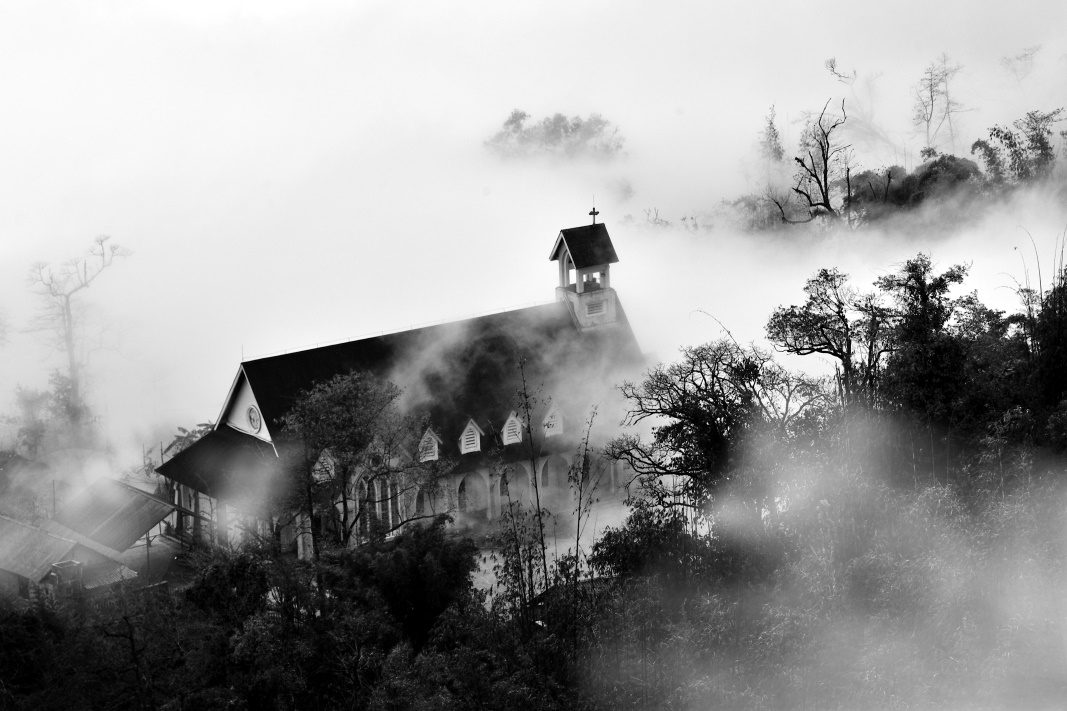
pixel 589 245
pixel 450 373
pixel 454 368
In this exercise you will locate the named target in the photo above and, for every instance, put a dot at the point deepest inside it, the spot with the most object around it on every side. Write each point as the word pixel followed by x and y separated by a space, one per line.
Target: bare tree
pixel 527 403
pixel 842 76
pixel 863 125
pixel 949 106
pixel 934 105
pixel 818 171
pixel 59 288
pixel 927 94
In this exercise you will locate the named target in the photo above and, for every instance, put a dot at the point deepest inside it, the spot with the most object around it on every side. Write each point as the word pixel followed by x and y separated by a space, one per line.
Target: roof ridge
pixel 39 528
pixel 414 327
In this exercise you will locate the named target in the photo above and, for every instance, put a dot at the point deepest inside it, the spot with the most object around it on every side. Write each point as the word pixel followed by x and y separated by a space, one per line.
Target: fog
pixel 286 176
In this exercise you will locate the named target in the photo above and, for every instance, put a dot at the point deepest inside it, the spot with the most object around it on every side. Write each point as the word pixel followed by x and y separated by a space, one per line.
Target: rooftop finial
pixel 594 212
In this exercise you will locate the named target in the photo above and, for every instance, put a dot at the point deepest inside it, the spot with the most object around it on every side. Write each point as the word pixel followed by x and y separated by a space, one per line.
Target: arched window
pixel 366 511
pixel 381 505
pixel 394 504
pixel 514 486
pixel 592 472
pixel 554 473
pixel 472 497
pixel 624 474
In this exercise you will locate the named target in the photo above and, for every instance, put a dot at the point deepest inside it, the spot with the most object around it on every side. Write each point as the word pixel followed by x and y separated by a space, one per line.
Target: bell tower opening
pixel 585 255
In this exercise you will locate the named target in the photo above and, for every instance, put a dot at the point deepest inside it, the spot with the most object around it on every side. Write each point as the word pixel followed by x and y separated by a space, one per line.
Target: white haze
pixel 287 175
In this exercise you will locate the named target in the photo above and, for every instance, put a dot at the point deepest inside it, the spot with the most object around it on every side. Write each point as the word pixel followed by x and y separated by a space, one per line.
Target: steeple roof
pixel 589 245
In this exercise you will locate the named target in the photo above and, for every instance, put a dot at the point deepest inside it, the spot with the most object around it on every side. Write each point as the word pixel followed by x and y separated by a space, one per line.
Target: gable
pixel 243 413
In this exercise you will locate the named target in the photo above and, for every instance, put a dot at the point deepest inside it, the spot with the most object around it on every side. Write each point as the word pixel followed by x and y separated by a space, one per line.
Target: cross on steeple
pixel 594 212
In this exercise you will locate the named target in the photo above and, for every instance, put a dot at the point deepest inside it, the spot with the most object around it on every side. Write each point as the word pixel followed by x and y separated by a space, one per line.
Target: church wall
pixel 480 504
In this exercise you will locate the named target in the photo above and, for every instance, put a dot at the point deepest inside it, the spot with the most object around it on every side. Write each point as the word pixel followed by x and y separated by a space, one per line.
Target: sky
pixel 287 174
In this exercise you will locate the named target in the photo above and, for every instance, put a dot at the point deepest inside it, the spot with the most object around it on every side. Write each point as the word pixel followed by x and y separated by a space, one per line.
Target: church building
pixel 504 402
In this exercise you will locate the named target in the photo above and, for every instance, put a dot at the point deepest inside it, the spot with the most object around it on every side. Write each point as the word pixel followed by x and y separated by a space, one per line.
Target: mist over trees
pixel 59 288
pixel 888 535
pixel 829 185
pixel 55 429
pixel 829 179
pixel 557 135
pixel 885 531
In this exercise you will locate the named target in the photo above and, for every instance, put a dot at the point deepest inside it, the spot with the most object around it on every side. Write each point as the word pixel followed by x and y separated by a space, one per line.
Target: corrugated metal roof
pixel 30 551
pixel 104 575
pixel 112 514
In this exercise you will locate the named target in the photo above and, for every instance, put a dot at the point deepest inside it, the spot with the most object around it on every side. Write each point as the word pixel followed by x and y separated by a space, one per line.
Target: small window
pixel 471 439
pixel 553 423
pixel 428 451
pixel 512 430
pixel 594 308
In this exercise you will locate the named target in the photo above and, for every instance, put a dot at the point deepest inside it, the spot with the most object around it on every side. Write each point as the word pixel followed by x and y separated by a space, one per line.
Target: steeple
pixel 585 255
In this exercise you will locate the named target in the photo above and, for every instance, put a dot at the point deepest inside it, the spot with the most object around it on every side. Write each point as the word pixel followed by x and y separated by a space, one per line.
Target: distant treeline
pixel 823 179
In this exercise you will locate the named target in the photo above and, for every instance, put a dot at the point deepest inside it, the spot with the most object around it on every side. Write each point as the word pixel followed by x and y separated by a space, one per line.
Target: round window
pixel 254 420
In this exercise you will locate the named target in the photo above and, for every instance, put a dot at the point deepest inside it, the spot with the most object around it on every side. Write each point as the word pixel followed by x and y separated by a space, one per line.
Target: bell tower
pixel 585 255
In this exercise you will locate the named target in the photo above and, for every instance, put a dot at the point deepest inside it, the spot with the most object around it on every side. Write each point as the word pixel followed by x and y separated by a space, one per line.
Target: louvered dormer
pixel 552 424
pixel 471 438
pixel 429 446
pixel 512 433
